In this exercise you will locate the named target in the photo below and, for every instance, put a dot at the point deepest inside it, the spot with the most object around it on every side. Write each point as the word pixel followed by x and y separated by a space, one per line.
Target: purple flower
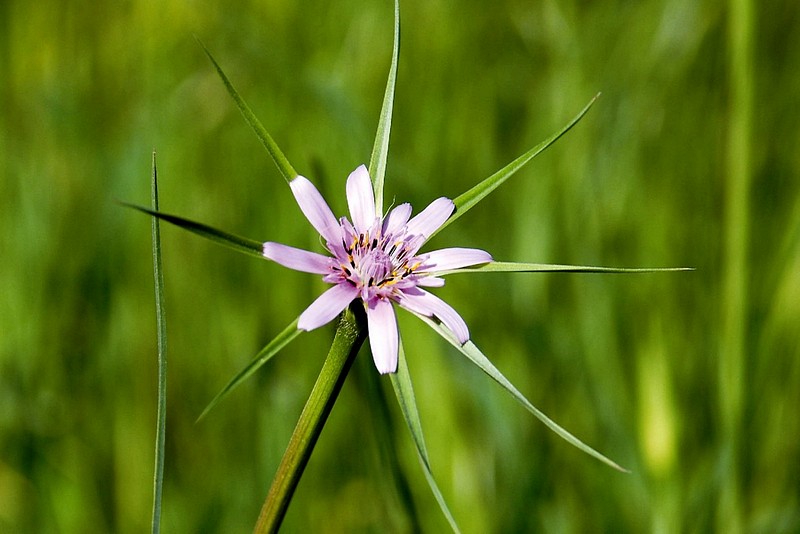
pixel 376 259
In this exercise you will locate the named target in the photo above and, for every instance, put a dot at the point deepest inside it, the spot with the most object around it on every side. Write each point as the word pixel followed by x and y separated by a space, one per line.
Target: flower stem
pixel 348 340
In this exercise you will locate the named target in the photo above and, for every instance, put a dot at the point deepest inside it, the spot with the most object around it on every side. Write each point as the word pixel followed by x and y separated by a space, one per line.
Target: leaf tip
pixel 202 415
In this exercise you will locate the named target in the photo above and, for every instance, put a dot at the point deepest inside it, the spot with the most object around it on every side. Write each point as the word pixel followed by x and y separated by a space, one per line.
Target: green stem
pixel 732 372
pixel 348 339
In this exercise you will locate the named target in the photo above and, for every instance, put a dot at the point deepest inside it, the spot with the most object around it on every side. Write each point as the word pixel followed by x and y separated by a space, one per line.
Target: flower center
pixel 375 267
pixel 376 263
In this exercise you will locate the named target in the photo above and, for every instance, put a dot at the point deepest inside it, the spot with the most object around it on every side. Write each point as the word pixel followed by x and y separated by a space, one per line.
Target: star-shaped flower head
pixel 376 259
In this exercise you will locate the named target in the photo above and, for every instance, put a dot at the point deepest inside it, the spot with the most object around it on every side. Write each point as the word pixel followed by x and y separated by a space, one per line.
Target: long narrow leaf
pixel 278 157
pixel 380 150
pixel 515 267
pixel 401 382
pixel 468 199
pixel 384 424
pixel 471 351
pixel 264 355
pixel 242 244
pixel 161 336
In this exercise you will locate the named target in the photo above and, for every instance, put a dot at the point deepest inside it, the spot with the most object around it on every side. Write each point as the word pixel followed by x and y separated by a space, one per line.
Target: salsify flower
pixel 376 259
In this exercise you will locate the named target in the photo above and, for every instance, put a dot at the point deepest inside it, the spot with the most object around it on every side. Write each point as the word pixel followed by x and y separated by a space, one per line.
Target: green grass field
pixel 690 158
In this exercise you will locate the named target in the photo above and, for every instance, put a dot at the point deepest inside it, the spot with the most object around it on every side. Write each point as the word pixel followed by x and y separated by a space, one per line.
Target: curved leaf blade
pixel 467 200
pixel 380 150
pixel 275 152
pixel 471 351
pixel 401 382
pixel 285 337
pixel 241 244
pixel 517 267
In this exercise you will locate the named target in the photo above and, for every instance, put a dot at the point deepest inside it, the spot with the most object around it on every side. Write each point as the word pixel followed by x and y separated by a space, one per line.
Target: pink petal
pixel 431 218
pixel 315 209
pixel 424 303
pixel 429 281
pixel 383 337
pixel 361 199
pixel 327 306
pixel 396 219
pixel 453 258
pixel 297 259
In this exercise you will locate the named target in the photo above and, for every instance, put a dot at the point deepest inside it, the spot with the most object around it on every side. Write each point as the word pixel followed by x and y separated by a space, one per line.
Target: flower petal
pixel 453 258
pixel 429 305
pixel 383 337
pixel 297 259
pixel 315 209
pixel 431 218
pixel 327 306
pixel 397 218
pixel 361 199
pixel 429 281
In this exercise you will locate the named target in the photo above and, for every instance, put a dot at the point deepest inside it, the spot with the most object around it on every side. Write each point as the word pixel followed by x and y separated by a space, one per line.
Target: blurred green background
pixel 690 158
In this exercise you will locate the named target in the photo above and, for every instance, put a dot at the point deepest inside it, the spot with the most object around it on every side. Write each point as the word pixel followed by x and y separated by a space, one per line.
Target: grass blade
pixel 401 382
pixel 161 333
pixel 380 150
pixel 467 200
pixel 264 355
pixel 275 152
pixel 515 267
pixel 383 421
pixel 471 351
pixel 241 244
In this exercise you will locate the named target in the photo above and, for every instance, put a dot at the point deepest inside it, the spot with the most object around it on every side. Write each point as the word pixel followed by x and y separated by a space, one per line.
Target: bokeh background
pixel 690 158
